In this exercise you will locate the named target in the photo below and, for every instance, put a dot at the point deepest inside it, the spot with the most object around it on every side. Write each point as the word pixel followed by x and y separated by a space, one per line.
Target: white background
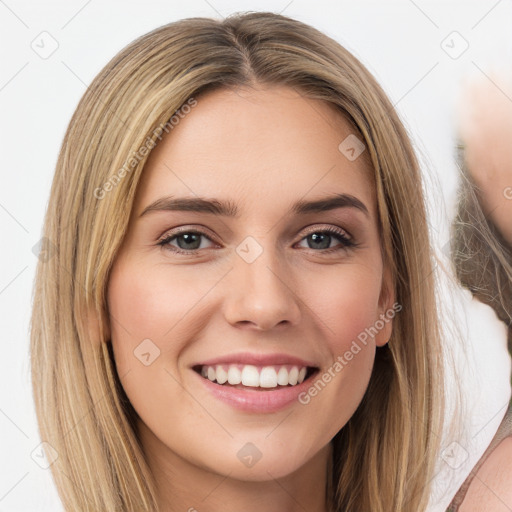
pixel 401 42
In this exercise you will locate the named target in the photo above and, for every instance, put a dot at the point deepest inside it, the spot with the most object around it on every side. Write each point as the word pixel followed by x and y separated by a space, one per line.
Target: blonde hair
pixel 383 459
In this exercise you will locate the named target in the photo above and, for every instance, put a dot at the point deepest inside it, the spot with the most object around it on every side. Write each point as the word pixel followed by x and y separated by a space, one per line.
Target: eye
pixel 321 239
pixel 190 241
pixel 187 241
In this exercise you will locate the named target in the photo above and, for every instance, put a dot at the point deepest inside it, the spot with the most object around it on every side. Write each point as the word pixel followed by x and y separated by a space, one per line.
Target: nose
pixel 260 295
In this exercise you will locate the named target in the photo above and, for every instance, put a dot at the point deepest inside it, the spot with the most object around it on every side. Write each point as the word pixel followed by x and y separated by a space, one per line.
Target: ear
pixel 387 309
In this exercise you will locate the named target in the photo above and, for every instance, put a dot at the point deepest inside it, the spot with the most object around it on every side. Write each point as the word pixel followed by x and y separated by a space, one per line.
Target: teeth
pixel 268 377
pixel 221 374
pixel 234 375
pixel 282 376
pixel 293 376
pixel 252 376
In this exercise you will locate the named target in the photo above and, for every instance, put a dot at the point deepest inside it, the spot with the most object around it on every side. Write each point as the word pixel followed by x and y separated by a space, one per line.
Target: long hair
pixel 384 457
pixel 482 258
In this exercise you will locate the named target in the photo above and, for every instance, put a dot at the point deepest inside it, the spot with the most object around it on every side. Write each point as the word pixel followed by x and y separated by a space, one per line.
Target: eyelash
pixel 346 242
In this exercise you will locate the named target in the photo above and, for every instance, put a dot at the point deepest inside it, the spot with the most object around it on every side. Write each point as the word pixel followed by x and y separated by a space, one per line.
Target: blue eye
pixel 322 239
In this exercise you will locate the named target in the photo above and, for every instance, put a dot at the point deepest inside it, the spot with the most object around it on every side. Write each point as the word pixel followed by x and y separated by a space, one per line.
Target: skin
pixel 491 488
pixel 486 129
pixel 263 149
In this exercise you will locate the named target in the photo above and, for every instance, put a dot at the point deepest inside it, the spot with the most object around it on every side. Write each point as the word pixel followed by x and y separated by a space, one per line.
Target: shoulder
pixel 491 489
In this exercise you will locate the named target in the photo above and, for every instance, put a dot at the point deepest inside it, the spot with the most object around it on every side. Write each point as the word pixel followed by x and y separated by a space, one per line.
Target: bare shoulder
pixel 491 489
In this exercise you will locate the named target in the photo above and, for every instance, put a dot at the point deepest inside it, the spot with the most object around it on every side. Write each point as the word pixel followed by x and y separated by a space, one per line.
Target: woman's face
pixel 228 269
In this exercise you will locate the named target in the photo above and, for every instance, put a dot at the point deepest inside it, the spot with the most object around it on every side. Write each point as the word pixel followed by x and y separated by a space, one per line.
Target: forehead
pixel 257 146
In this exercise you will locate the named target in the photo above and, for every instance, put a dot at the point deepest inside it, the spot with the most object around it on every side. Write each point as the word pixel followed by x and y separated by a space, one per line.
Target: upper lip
pixel 257 360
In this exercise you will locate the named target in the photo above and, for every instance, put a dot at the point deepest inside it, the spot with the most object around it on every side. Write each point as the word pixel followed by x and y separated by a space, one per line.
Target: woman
pixel 482 254
pixel 257 368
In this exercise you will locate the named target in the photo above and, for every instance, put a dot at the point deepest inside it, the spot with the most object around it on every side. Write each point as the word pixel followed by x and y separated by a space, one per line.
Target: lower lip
pixel 257 400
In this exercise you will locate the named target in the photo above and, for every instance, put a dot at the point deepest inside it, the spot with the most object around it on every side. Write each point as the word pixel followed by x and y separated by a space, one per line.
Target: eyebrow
pixel 229 209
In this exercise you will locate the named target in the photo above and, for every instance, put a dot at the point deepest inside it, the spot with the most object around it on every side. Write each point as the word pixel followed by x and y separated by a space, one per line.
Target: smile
pixel 266 377
pixel 255 383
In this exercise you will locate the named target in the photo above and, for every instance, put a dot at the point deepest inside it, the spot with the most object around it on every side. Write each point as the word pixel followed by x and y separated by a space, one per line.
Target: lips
pixel 258 360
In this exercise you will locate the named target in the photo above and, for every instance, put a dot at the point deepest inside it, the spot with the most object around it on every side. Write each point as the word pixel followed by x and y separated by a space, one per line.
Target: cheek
pixel 144 306
pixel 147 323
pixel 347 303
pixel 347 306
